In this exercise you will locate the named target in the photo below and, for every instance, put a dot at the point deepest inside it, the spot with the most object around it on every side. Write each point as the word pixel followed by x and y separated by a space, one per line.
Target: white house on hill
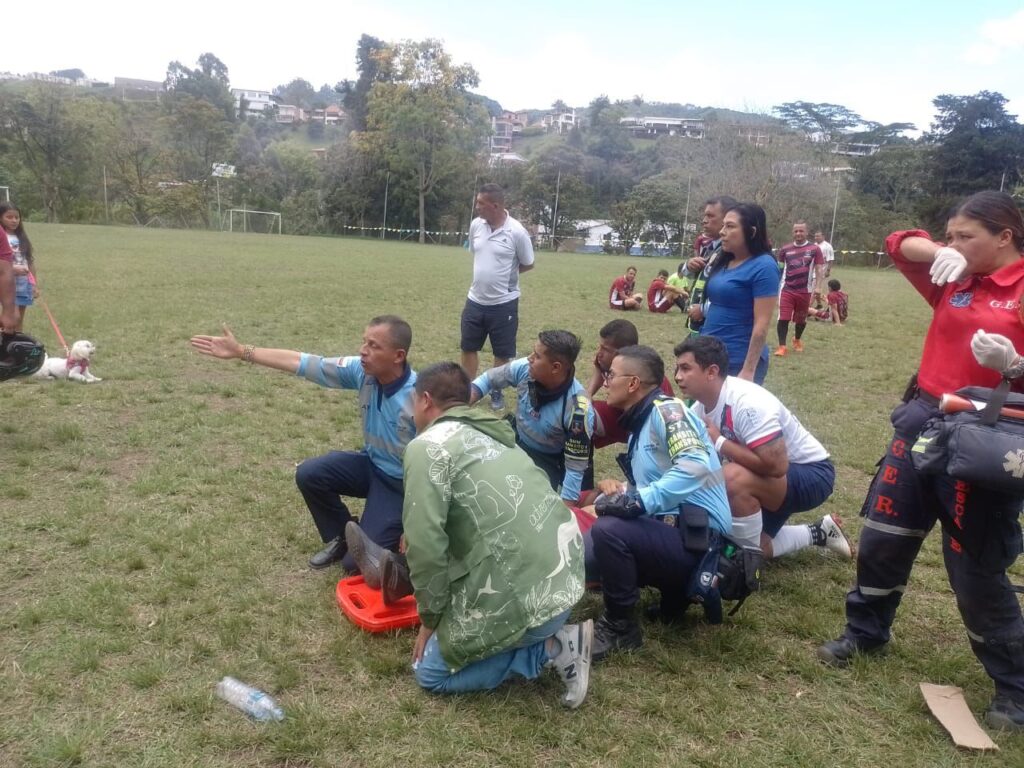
pixel 256 101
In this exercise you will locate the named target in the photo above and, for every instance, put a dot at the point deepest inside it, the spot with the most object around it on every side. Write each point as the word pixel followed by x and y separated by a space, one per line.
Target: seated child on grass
pixel 838 305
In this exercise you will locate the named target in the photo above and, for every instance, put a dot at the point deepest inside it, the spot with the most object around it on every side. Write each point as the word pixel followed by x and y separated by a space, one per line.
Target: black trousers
pixel 324 479
pixel 643 552
pixel 981 538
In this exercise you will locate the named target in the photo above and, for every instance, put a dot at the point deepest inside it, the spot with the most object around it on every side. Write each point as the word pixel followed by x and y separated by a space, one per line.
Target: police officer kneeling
pixel 663 528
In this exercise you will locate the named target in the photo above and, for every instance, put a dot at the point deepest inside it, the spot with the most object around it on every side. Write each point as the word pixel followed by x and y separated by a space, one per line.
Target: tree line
pixel 414 142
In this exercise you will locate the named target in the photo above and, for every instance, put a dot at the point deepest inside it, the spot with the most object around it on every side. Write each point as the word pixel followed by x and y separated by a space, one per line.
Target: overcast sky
pixel 885 60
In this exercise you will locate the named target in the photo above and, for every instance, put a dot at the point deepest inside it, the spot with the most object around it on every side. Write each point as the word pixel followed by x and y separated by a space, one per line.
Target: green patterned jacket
pixel 492 549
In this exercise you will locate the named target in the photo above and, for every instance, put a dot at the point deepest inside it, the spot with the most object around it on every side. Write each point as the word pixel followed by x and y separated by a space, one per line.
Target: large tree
pixel 47 133
pixel 556 172
pixel 975 145
pixel 208 82
pixel 355 94
pixel 422 122
pixel 819 121
pixel 298 92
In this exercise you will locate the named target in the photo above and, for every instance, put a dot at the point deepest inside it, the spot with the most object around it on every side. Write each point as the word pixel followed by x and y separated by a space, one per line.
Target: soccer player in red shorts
pixel 803 273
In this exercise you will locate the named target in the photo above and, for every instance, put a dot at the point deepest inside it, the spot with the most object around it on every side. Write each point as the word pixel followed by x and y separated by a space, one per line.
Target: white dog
pixel 75 367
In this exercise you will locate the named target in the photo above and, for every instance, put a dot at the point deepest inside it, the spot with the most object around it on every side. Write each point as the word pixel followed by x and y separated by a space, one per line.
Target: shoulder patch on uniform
pixel 680 436
pixel 581 402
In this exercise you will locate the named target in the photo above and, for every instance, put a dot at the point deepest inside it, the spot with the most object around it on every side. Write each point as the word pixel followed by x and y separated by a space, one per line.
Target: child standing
pixel 26 289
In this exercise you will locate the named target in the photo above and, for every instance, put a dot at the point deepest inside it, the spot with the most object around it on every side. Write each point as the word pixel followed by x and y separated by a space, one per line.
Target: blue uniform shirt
pixel 673 461
pixel 564 425
pixel 387 410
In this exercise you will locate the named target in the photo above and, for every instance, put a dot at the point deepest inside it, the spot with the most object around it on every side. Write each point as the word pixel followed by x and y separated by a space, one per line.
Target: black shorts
pixel 499 322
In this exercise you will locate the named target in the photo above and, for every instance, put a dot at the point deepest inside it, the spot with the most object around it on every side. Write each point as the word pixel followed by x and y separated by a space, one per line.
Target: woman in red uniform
pixel 975 283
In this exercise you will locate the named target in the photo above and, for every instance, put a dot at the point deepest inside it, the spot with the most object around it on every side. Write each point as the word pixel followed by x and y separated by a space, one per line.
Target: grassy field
pixel 153 540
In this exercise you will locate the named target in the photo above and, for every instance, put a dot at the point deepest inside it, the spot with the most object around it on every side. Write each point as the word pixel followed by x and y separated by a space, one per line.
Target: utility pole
pixel 686 215
pixel 107 205
pixel 554 219
pixel 387 184
pixel 835 208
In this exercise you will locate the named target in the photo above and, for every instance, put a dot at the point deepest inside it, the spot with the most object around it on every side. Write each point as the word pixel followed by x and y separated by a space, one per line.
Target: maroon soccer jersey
pixel 799 260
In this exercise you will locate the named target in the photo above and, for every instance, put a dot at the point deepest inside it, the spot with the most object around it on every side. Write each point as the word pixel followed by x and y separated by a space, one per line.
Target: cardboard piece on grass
pixel 947 704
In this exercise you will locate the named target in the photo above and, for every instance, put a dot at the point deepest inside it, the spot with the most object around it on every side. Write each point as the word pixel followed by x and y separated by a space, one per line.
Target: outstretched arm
pixel 227 347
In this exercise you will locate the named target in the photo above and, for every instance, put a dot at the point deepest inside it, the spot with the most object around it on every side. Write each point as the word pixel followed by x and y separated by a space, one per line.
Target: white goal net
pixel 261 222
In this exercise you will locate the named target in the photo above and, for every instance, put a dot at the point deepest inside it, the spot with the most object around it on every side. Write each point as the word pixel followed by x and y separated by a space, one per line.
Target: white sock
pixel 790 539
pixel 747 530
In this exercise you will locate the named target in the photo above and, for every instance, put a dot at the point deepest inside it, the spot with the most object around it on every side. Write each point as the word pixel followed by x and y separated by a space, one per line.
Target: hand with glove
pixel 948 267
pixel 626 505
pixel 995 351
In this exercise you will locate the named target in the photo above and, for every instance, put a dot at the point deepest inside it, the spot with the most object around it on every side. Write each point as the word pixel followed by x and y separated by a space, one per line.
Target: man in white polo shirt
pixel 773 466
pixel 826 250
pixel 501 249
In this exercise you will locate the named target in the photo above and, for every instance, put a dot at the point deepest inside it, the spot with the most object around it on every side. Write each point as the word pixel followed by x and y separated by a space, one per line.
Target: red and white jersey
pixel 752 416
pixel 621 290
pixel 799 263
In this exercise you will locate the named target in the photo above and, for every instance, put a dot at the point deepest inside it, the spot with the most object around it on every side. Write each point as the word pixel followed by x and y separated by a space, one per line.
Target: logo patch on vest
pixel 961 299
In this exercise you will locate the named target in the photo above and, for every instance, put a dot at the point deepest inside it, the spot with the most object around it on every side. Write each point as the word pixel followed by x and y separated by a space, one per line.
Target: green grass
pixel 153 540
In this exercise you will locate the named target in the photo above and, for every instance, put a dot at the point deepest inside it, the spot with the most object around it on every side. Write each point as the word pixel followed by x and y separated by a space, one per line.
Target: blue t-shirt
pixel 731 293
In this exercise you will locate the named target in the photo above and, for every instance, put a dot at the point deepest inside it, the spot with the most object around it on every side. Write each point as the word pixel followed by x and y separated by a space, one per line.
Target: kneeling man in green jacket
pixel 495 557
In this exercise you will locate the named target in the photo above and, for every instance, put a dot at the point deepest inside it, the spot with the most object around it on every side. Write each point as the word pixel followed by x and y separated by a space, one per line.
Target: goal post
pixel 261 222
pixel 5 194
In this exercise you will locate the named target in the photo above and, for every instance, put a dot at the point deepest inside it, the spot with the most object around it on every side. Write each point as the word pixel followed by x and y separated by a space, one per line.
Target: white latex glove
pixel 948 267
pixel 993 350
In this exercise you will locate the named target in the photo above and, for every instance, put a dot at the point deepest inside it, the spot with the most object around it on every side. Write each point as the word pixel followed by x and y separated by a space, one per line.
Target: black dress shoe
pixel 394 577
pixel 365 552
pixel 840 652
pixel 334 551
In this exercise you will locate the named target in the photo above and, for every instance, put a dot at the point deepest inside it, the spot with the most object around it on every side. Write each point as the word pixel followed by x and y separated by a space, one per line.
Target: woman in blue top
pixel 743 292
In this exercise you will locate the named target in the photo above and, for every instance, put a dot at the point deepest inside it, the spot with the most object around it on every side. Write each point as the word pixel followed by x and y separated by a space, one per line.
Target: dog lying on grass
pixel 75 367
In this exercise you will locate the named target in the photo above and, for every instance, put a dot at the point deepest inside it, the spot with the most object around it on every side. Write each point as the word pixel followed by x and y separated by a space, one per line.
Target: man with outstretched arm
pixel 495 559
pixel 384 380
pixel 773 466
pixel 662 528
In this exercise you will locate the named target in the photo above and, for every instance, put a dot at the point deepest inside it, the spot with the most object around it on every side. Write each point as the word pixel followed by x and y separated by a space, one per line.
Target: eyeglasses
pixel 609 375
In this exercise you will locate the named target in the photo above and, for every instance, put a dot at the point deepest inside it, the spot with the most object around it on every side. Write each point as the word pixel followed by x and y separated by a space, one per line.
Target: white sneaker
pixel 835 539
pixel 573 661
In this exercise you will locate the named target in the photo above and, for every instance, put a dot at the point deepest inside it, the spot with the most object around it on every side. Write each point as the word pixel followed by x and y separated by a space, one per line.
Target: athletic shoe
pixel 615 635
pixel 798 346
pixel 497 400
pixel 573 661
pixel 394 577
pixel 840 652
pixel 365 552
pixel 781 351
pixel 1005 714
pixel 835 538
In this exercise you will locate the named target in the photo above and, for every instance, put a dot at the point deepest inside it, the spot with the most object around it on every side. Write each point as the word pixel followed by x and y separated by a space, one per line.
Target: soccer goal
pixel 262 222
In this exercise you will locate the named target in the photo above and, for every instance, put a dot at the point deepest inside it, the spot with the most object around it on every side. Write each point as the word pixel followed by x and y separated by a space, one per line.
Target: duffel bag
pixel 983 447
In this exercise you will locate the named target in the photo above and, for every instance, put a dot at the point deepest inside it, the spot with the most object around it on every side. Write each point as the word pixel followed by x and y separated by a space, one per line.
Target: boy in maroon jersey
pixel 838 305
pixel 803 273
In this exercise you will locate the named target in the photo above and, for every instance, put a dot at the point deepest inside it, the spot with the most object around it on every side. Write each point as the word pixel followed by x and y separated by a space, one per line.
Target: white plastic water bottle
pixel 254 702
